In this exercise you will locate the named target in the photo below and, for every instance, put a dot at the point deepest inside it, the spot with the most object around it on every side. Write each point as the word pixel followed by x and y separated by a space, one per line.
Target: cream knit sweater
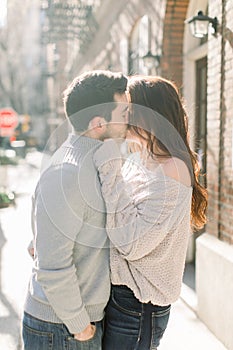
pixel 148 223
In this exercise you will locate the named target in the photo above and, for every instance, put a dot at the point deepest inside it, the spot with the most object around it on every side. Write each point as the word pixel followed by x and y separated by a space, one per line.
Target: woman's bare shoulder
pixel 177 170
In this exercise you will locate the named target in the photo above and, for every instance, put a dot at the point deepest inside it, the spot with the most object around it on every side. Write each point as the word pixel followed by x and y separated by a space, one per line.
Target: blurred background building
pixel 45 44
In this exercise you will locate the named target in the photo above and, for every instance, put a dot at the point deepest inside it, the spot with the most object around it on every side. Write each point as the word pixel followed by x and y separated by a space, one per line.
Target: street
pixel 185 330
pixel 15 263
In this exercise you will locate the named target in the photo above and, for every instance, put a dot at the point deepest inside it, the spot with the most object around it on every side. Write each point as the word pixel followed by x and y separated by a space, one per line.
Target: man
pixel 69 286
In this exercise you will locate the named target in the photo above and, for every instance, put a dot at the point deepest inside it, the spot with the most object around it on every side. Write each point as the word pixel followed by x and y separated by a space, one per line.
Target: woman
pixel 152 202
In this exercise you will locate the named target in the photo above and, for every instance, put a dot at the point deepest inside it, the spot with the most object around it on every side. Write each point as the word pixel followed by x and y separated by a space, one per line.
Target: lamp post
pixel 150 61
pixel 52 60
pixel 199 25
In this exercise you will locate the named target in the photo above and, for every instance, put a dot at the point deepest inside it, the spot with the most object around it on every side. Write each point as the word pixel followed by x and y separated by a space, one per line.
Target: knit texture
pixel 70 280
pixel 148 223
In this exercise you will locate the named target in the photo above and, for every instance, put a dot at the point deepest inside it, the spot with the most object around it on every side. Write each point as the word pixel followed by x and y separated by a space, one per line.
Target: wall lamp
pixel 199 25
pixel 151 60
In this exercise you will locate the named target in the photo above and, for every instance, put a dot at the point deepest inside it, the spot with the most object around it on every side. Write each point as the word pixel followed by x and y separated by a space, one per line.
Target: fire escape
pixel 66 21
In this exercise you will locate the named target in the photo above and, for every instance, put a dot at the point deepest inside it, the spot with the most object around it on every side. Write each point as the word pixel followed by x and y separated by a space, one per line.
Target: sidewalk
pixel 185 331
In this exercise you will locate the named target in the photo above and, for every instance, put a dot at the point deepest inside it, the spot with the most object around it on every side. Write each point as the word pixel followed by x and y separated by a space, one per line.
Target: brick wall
pixel 172 59
pixel 219 125
pixel 122 27
pixel 226 173
pixel 213 124
pixel 117 20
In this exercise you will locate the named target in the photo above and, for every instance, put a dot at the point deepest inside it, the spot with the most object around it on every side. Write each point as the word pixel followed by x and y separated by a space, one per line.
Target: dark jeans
pixel 41 335
pixel 132 325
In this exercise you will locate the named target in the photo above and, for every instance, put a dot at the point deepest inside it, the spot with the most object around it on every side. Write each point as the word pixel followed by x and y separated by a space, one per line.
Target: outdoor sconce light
pixel 150 60
pixel 199 25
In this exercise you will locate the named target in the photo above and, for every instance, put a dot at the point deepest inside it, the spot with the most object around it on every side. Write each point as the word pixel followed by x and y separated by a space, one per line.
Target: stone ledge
pixel 214 286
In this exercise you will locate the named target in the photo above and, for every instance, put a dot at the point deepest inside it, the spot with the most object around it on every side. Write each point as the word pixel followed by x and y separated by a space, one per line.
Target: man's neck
pixel 90 133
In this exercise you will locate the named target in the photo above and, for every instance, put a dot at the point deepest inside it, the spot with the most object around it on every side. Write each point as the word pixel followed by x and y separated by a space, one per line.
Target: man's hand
pixel 86 334
pixel 31 249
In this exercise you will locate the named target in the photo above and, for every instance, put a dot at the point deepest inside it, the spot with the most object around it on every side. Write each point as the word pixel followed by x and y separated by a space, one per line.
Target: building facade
pixel 22 69
pixel 121 34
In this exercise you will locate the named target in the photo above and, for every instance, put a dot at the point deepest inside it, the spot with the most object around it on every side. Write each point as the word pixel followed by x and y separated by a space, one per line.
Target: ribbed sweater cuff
pixel 45 312
pixel 78 323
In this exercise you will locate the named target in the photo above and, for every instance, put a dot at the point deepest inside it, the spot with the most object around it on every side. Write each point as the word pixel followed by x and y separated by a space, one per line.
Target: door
pixel 201 116
pixel 200 148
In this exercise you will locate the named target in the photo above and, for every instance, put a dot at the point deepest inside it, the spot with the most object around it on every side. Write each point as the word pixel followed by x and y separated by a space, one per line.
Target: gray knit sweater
pixel 70 280
pixel 148 223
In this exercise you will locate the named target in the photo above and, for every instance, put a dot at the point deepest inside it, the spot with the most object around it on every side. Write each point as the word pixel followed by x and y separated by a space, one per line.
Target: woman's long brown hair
pixel 163 124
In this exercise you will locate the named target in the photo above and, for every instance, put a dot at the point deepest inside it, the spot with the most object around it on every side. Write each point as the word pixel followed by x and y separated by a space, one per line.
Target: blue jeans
pixel 41 335
pixel 132 325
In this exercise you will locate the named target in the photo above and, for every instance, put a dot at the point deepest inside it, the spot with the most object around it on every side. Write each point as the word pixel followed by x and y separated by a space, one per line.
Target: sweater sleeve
pixel 58 215
pixel 136 226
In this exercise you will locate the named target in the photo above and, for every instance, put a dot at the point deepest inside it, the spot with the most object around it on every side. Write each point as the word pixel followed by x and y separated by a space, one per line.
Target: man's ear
pixel 97 123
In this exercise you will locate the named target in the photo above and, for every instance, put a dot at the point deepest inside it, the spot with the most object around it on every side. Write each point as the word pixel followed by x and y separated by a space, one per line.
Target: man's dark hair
pixel 94 88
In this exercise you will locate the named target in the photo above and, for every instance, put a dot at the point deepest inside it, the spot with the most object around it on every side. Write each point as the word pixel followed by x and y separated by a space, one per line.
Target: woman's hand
pixel 86 334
